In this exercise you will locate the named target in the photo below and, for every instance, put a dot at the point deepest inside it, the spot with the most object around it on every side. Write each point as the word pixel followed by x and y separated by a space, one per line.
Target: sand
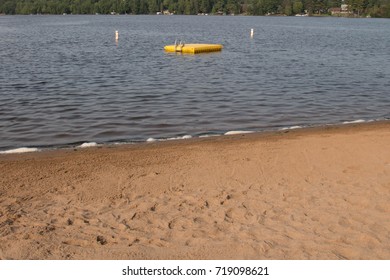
pixel 319 193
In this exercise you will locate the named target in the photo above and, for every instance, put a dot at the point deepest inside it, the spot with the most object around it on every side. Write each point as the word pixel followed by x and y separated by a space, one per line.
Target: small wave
pixel 151 139
pixel 87 145
pixel 356 121
pixel 291 127
pixel 234 132
pixel 20 150
pixel 180 137
pixel 208 135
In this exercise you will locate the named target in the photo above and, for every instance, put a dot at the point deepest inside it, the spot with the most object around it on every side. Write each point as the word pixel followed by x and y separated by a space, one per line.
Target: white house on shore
pixel 343 10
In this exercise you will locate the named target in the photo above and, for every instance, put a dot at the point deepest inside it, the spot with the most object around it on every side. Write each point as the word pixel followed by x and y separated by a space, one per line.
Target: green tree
pixel 153 6
pixel 204 6
pixel 9 7
pixel 219 6
pixel 297 7
pixel 287 7
pixel 356 6
pixel 232 7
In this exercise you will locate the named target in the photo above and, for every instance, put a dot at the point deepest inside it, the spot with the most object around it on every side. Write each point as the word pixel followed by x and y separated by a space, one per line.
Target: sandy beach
pixel 321 193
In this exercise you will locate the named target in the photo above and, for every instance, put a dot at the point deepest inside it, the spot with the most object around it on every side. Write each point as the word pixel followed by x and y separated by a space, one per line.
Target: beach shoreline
pixel 311 193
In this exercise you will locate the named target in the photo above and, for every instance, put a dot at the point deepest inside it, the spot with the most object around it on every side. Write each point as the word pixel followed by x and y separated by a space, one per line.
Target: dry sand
pixel 305 194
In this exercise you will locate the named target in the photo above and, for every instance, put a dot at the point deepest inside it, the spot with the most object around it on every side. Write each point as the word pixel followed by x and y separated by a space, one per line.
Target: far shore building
pixel 341 11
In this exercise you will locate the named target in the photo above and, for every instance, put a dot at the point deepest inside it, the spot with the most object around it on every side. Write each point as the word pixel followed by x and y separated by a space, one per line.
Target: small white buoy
pixel 252 33
pixel 116 35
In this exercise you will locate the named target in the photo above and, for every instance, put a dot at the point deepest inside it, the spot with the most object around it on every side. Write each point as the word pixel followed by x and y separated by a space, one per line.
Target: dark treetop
pixel 373 8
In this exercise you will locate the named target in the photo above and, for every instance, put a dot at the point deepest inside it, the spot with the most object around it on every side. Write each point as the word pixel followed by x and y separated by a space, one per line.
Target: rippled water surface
pixel 64 79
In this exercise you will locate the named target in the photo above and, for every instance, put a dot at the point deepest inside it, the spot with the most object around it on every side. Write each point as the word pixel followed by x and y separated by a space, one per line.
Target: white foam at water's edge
pixel 291 127
pixel 356 121
pixel 180 137
pixel 20 150
pixel 234 132
pixel 151 139
pixel 209 135
pixel 87 145
pixel 346 122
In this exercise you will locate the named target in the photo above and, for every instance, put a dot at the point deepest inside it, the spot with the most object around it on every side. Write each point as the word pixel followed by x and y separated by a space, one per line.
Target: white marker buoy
pixel 116 35
pixel 252 33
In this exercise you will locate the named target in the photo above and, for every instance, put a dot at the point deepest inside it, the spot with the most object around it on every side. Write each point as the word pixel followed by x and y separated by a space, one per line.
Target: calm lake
pixel 64 80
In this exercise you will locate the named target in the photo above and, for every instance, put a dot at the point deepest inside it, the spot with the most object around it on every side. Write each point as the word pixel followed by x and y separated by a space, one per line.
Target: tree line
pixel 374 8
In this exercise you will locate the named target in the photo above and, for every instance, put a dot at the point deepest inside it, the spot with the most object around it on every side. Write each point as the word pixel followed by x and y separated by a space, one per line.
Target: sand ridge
pixel 306 194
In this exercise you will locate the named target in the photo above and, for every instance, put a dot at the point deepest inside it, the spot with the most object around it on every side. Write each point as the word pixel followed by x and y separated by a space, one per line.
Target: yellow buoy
pixel 193 48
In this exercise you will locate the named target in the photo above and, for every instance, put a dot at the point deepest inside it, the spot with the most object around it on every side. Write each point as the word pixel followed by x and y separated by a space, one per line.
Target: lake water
pixel 64 80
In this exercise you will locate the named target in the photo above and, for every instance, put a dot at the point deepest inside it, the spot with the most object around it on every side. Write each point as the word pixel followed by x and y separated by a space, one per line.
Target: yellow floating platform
pixel 193 48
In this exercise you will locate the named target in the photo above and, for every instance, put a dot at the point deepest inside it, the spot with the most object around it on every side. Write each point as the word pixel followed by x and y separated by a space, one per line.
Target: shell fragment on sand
pixel 193 48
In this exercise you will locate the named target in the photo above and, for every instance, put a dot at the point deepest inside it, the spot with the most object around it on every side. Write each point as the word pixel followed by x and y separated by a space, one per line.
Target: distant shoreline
pixel 216 15
pixel 232 7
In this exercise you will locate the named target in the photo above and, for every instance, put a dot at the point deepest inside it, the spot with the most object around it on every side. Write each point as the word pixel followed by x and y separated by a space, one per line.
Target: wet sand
pixel 320 193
